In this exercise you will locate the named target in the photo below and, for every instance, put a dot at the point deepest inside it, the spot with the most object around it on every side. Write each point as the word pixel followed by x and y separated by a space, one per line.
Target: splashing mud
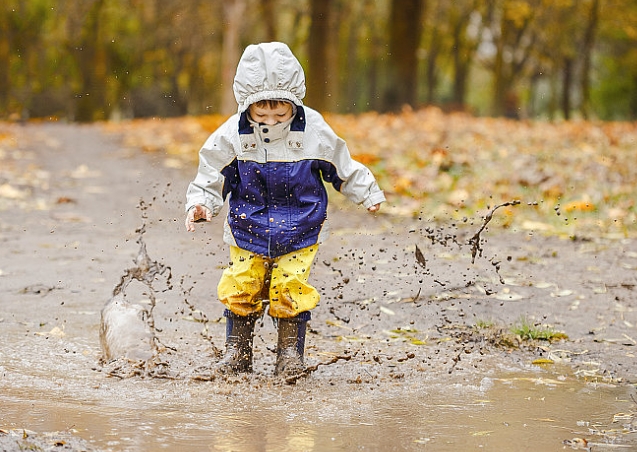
pixel 129 341
pixel 127 329
pixel 475 241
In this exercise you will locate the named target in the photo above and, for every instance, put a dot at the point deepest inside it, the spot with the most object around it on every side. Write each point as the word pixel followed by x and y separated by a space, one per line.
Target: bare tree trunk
pixel 347 58
pixel 463 50
pixel 233 11
pixel 5 60
pixel 91 61
pixel 318 53
pixel 513 52
pixel 268 8
pixel 431 74
pixel 589 42
pixel 567 83
pixel 499 84
pixel 553 104
pixel 373 71
pixel 371 68
pixel 633 102
pixel 404 40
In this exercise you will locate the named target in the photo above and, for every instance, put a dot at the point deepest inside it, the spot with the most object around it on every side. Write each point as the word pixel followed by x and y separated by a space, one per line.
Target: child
pixel 270 161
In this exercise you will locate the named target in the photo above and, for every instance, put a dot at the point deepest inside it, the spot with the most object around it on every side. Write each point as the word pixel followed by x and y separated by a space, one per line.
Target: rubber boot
pixel 291 345
pixel 239 334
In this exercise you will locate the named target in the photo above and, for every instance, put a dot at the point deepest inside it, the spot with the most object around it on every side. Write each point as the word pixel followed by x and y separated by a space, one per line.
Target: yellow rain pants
pixel 242 283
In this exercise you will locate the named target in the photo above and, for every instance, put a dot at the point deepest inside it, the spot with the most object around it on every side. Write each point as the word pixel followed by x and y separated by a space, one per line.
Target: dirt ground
pixel 73 200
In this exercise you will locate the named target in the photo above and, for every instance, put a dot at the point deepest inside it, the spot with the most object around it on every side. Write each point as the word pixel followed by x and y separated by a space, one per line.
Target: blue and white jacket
pixel 273 176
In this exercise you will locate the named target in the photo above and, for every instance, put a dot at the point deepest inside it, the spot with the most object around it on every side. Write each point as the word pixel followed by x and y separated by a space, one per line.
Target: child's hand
pixel 374 208
pixel 197 213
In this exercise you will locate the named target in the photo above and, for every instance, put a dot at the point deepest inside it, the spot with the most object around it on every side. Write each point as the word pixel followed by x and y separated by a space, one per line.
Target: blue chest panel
pixel 276 207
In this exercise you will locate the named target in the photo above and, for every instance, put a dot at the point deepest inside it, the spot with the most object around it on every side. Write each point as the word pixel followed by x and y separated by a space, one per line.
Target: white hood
pixel 268 71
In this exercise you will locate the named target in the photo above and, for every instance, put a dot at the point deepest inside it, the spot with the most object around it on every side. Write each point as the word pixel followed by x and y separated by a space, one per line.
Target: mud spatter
pixel 128 339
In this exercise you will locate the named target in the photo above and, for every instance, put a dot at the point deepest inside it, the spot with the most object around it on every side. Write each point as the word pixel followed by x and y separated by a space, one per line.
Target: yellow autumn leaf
pixel 55 332
pixel 580 206
pixel 10 192
pixel 541 361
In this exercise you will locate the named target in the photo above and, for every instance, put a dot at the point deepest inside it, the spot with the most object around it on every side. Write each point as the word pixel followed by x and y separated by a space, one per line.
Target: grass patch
pixel 528 331
pixel 484 324
pixel 515 336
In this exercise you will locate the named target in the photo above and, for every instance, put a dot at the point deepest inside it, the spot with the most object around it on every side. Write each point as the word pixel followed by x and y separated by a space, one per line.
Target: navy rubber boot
pixel 239 335
pixel 291 345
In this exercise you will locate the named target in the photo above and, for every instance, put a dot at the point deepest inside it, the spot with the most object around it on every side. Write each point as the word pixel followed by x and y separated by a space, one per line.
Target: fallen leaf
pixel 83 172
pixel 541 361
pixel 508 296
pixel 55 332
pixel 536 226
pixel 581 206
pixel 562 293
pixel 543 285
pixel 387 311
pixel 337 324
pixel 173 163
pixel 10 192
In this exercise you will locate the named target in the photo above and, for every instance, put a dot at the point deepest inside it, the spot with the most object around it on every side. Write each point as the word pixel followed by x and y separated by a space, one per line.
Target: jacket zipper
pixel 267 200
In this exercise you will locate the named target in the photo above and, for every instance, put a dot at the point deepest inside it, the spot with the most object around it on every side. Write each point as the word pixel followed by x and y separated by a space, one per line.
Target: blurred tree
pixel 512 37
pixel 453 32
pixel 615 93
pixel 433 48
pixel 376 53
pixel 98 59
pixel 86 48
pixel 233 11
pixel 23 36
pixel 268 12
pixel 588 45
pixel 318 54
pixel 564 48
pixel 405 26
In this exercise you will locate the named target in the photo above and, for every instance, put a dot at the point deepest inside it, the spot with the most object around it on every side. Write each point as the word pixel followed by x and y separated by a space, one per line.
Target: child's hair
pixel 270 103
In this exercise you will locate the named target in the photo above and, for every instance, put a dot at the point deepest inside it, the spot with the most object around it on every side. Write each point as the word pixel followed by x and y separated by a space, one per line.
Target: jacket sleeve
pixel 351 178
pixel 217 153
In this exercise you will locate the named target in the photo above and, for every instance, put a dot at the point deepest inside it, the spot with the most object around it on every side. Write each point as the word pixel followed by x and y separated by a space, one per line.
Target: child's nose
pixel 270 121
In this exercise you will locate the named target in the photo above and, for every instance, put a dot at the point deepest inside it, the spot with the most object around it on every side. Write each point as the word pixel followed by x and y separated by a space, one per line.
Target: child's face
pixel 271 116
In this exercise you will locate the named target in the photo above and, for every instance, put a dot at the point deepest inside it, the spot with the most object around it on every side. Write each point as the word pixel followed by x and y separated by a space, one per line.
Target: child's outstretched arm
pixel 205 197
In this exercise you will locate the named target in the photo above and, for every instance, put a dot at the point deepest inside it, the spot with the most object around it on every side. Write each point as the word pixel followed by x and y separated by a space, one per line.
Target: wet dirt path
pixel 418 375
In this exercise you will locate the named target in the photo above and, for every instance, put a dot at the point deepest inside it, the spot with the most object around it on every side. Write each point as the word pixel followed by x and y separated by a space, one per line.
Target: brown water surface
pixel 532 410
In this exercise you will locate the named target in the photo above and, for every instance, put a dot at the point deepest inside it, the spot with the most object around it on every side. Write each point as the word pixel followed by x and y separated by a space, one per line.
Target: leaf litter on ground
pixel 571 178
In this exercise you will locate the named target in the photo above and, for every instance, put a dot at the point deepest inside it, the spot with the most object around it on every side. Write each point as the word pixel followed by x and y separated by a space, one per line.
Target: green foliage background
pixel 102 59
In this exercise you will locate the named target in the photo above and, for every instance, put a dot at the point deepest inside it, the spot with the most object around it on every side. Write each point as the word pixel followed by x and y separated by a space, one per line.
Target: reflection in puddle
pixel 514 412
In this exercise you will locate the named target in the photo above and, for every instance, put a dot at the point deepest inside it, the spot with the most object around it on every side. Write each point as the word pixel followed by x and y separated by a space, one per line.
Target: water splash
pixel 127 329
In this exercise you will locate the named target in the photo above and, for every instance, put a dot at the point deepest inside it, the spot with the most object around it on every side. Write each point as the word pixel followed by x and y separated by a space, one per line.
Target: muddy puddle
pixel 506 411
pixel 372 386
